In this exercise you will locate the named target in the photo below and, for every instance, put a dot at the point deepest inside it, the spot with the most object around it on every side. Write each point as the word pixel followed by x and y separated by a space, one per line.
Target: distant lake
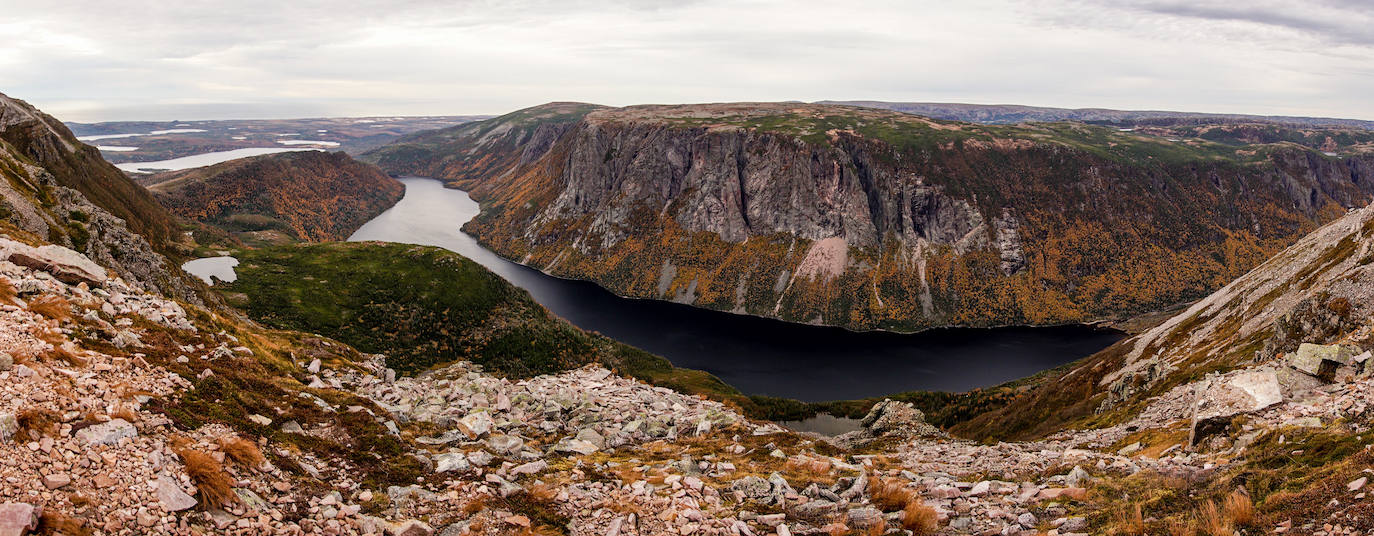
pixel 204 159
pixel 756 355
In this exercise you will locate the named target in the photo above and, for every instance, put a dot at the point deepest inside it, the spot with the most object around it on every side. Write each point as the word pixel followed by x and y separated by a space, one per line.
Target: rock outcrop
pixel 921 223
pixel 60 191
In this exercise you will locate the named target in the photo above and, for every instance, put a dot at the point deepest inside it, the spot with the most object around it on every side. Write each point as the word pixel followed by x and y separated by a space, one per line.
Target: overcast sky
pixel 165 59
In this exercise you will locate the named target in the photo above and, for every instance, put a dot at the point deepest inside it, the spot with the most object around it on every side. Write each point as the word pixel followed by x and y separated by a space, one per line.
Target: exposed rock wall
pixel 944 223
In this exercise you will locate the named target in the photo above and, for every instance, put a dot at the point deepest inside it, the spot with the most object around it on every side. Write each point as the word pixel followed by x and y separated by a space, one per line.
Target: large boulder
pixel 890 417
pixel 1321 360
pixel 66 265
pixel 1221 399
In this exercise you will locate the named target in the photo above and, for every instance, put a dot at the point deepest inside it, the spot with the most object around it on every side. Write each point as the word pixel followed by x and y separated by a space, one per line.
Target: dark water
pixel 756 355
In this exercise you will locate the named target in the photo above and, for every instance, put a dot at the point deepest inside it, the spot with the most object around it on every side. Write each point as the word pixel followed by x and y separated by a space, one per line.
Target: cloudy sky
pixel 161 60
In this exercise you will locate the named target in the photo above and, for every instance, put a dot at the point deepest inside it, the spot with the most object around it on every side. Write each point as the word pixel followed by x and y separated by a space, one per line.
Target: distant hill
pixel 308 195
pixel 147 141
pixel 1013 113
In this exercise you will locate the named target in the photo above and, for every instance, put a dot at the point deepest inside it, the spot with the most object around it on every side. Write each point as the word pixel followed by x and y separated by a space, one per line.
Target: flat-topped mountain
pixel 308 195
pixel 1016 113
pixel 870 218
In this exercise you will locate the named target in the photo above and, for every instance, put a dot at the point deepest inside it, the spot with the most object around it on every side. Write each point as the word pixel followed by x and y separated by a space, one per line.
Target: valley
pixel 413 382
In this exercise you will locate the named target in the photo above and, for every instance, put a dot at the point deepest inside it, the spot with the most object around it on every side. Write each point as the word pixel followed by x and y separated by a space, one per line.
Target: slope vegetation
pixel 308 195
pixel 873 219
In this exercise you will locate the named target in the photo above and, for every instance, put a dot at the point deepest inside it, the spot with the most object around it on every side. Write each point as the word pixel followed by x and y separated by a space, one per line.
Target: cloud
pixel 143 59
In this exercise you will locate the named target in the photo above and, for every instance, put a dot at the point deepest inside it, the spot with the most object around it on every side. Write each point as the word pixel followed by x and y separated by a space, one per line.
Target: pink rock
pixel 17 519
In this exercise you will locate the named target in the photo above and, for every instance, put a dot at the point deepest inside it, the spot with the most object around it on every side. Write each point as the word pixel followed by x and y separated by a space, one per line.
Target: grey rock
pixel 252 500
pixel 107 433
pixel 6 361
pixel 576 446
pixel 752 487
pixel 1077 477
pixel 892 417
pixel 172 497
pixel 9 426
pixel 1321 360
pixel 480 458
pixel 505 445
pixel 64 264
pixel 451 461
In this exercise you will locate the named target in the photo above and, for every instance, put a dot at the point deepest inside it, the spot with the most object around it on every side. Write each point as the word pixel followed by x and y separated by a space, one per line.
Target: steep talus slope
pixel 57 190
pixel 310 195
pixel 1318 290
pixel 874 219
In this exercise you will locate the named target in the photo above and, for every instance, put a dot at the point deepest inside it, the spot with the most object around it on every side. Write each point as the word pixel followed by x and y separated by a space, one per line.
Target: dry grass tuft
pixel 54 307
pixel 920 519
pixel 54 522
pixel 125 413
pixel 814 468
pixel 889 495
pixel 62 354
pixel 242 451
pixel 1214 523
pixel 542 492
pixel 7 292
pixel 37 422
pixel 1238 509
pixel 214 485
pixel 1130 522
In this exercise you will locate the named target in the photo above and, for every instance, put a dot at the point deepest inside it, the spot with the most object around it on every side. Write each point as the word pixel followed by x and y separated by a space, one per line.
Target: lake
pixel 203 159
pixel 756 355
pixel 210 268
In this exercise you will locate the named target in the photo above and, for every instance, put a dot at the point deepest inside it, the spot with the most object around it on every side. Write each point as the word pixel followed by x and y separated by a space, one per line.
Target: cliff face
pixel 55 189
pixel 310 195
pixel 873 219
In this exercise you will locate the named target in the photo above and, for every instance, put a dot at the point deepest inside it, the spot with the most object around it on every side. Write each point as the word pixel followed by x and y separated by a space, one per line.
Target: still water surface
pixel 756 355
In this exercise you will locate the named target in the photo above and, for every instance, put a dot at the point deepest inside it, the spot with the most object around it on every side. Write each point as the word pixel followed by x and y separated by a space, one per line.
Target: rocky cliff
pixel 56 189
pixel 308 195
pixel 873 219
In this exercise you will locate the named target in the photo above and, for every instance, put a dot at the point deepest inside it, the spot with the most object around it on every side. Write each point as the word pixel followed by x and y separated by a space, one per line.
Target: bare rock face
pixel 1220 400
pixel 721 205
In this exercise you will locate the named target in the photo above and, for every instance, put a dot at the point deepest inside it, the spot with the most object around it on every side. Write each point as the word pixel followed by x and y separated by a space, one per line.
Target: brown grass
pixel 7 292
pixel 124 413
pixel 38 422
pixel 1182 527
pixel 1238 509
pixel 920 519
pixel 60 353
pixel 1130 522
pixel 1214 523
pixel 889 495
pixel 542 492
pixel 51 306
pixel 54 522
pixel 215 487
pixel 242 451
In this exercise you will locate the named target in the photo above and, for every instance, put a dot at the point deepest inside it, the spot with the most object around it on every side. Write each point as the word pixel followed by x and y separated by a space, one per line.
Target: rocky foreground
pixel 93 440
